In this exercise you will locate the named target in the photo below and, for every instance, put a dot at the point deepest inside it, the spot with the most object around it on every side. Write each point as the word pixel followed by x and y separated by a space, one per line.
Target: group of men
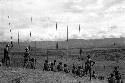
pixel 76 70
pixel 6 58
pixel 53 66
pixel 86 70
pixel 115 76
pixel 80 71
pixel 28 61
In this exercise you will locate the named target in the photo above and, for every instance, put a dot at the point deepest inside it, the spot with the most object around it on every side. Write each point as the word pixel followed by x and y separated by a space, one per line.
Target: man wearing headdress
pixel 6 55
pixel 88 64
pixel 26 56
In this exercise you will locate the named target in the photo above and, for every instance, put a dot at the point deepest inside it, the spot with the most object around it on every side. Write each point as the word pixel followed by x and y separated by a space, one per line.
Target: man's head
pixel 60 63
pixel 93 72
pixel 111 75
pixel 46 61
pixel 52 64
pixel 88 56
pixel 54 61
pixel 7 46
pixel 79 67
pixel 65 65
pixel 26 49
pixel 115 68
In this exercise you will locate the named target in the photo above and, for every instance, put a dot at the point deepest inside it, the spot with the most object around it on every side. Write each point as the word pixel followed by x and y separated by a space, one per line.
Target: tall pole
pixel 10 32
pixel 30 34
pixel 35 47
pixel 56 36
pixel 47 42
pixel 56 41
pixel 67 42
pixel 10 35
pixel 117 56
pixel 79 28
pixel 18 38
pixel 80 53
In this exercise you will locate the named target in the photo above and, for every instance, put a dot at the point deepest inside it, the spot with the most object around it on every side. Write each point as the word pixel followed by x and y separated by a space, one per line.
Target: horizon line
pixel 64 40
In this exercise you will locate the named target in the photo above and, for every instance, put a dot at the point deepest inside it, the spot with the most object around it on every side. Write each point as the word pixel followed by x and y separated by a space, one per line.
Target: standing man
pixel 6 55
pixel 111 79
pixel 74 69
pixel 88 64
pixel 60 67
pixel 26 56
pixel 117 75
pixel 32 63
pixel 46 66
pixel 66 70
pixel 54 65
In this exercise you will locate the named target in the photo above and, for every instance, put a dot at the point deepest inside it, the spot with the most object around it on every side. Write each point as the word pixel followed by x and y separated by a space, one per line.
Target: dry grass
pixel 38 76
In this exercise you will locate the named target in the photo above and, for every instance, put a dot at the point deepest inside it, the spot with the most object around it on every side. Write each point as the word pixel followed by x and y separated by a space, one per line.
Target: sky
pixel 97 18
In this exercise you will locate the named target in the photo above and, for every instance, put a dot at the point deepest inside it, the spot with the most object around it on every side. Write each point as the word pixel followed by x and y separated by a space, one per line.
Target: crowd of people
pixel 28 62
pixel 115 76
pixel 75 70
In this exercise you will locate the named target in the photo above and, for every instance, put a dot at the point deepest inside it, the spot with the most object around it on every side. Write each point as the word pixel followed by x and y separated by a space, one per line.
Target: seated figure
pixel 66 70
pixel 46 66
pixel 59 67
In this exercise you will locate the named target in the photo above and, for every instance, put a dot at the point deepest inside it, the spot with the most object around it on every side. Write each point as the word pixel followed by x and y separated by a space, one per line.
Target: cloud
pixel 98 18
pixel 113 27
pixel 1 33
pixel 110 3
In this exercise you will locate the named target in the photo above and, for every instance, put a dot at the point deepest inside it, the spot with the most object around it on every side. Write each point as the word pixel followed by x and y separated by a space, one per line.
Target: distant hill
pixel 100 46
pixel 72 43
pixel 81 43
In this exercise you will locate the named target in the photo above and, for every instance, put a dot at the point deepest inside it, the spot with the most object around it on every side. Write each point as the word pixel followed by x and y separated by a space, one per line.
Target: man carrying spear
pixel 6 55
pixel 88 64
pixel 26 56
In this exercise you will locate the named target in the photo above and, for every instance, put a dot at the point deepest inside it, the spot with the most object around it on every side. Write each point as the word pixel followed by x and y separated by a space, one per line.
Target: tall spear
pixel 31 19
pixel 67 33
pixel 116 56
pixel 56 36
pixel 11 42
pixel 18 37
pixel 30 33
pixel 67 41
pixel 79 33
pixel 114 44
pixel 46 41
pixel 79 28
pixel 57 46
pixel 56 26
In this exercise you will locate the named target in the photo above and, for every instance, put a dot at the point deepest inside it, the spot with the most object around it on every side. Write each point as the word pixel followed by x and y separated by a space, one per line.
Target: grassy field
pixel 105 59
pixel 39 76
